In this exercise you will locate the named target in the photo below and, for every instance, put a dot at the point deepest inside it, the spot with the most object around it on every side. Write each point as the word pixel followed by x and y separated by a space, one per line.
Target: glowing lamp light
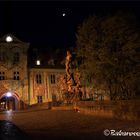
pixel 8 94
pixel 9 39
pixel 63 14
pixel 38 62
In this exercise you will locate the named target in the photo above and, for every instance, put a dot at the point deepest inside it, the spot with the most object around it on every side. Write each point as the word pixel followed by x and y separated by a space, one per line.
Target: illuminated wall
pixel 13 67
pixel 27 85
pixel 43 85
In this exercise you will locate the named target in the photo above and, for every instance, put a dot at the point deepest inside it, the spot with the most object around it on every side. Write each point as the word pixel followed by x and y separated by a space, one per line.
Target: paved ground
pixel 9 131
pixel 62 124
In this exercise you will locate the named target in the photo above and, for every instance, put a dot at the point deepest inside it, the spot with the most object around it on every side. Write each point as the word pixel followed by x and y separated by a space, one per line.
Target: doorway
pixel 8 102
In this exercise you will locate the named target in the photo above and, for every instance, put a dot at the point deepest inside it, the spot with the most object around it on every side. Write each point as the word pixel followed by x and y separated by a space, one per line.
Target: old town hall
pixel 20 84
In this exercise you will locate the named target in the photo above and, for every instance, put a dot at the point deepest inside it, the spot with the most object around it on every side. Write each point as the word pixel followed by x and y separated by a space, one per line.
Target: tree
pixel 108 49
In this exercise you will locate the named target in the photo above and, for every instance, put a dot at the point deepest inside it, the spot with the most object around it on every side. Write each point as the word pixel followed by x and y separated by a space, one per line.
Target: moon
pixel 64 14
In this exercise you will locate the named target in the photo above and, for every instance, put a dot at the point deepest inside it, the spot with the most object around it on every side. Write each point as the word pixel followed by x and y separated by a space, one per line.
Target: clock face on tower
pixel 9 39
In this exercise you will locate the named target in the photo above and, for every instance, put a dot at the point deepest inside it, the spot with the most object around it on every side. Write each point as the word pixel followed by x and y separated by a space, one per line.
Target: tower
pixel 13 72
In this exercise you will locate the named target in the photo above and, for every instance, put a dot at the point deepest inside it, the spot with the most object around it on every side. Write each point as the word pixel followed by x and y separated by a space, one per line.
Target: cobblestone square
pixel 67 124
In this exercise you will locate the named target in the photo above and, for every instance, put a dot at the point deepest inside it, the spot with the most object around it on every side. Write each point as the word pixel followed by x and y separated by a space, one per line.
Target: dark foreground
pixel 60 124
pixel 9 131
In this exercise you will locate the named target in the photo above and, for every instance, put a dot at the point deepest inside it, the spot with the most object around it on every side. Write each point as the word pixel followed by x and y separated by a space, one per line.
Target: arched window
pixel 2 56
pixel 16 58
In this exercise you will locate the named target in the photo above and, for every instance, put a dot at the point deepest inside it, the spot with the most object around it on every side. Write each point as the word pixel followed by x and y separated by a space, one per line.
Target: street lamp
pixel 9 39
pixel 8 94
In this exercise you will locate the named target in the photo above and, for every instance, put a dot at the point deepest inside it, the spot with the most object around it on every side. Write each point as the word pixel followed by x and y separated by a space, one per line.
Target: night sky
pixel 43 24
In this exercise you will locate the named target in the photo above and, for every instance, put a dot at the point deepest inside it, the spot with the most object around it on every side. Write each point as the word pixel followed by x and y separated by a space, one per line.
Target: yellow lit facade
pixel 27 85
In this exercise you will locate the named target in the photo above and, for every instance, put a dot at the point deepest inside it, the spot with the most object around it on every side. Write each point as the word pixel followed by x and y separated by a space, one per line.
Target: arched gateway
pixel 9 101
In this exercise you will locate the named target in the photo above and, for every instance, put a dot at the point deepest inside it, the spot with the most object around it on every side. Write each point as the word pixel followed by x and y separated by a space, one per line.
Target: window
pixel 2 75
pixel 39 99
pixel 52 79
pixel 38 62
pixel 16 58
pixel 38 79
pixel 16 75
pixel 2 56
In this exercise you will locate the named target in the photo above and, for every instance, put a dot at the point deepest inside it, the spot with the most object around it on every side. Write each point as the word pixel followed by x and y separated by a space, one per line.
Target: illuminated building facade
pixel 21 85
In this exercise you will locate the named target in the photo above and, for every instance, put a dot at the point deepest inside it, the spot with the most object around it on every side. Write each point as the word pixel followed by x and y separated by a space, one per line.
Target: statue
pixel 70 79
